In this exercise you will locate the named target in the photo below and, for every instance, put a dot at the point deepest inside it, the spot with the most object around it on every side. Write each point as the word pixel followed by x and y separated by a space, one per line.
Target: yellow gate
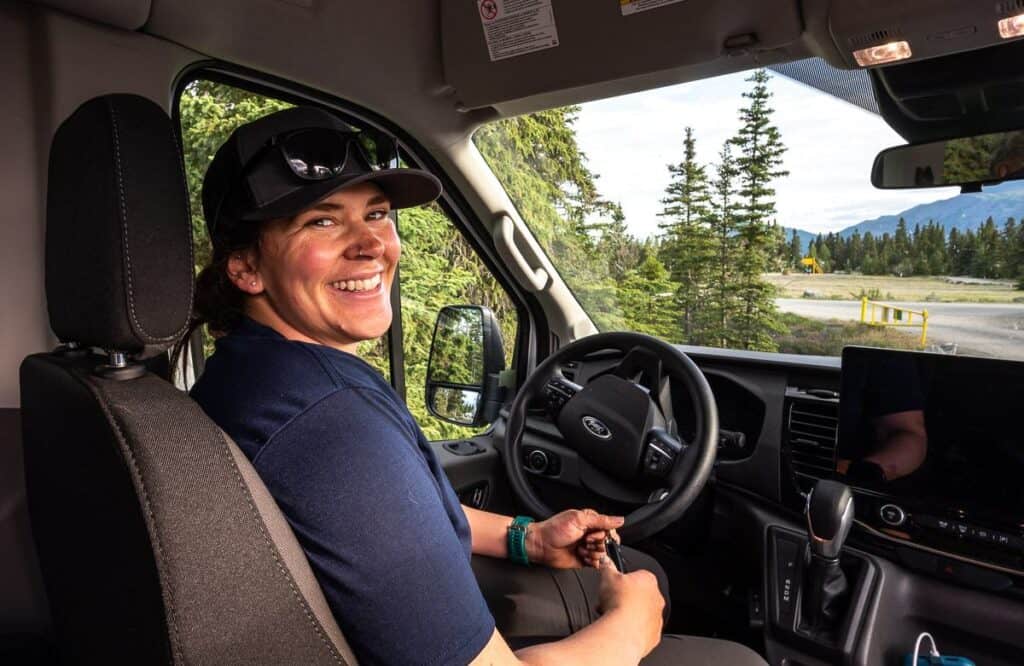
pixel 875 313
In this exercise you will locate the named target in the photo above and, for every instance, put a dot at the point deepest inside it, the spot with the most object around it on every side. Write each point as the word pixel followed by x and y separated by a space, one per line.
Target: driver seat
pixel 157 541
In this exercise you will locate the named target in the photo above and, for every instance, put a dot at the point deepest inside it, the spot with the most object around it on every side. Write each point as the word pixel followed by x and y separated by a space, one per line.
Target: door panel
pixel 478 478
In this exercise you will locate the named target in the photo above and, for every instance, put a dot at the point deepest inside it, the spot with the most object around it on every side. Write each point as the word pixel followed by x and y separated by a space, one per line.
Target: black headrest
pixel 118 232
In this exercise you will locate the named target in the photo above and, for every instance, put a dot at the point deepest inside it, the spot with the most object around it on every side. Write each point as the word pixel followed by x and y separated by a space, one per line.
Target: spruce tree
pixel 721 304
pixel 687 246
pixel 759 162
pixel 796 250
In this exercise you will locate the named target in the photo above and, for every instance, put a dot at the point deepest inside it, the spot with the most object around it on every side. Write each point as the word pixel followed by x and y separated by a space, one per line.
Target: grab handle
pixel 534 279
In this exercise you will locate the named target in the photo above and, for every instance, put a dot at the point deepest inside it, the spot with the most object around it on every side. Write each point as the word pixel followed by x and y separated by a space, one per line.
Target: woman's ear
pixel 243 273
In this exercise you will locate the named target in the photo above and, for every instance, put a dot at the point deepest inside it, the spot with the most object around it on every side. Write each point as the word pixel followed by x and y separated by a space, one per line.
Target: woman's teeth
pixel 357 285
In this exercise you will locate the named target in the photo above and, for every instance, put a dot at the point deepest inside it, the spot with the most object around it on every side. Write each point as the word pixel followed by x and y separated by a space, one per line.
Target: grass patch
pixel 839 286
pixel 828 337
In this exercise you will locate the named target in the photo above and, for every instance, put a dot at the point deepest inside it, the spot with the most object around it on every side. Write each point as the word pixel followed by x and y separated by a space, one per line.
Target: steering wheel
pixel 619 433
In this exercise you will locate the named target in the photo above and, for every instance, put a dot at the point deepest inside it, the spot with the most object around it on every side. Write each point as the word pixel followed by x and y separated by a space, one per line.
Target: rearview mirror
pixel 969 162
pixel 466 357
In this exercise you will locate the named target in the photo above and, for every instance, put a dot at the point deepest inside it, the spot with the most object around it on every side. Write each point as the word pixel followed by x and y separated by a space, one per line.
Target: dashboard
pixel 780 424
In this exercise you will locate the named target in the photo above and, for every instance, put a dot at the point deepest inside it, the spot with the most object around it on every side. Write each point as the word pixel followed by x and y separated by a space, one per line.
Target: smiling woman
pixel 325 275
pixel 439 267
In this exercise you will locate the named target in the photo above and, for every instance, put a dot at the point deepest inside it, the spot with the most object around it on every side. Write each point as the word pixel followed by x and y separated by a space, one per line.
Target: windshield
pixel 738 212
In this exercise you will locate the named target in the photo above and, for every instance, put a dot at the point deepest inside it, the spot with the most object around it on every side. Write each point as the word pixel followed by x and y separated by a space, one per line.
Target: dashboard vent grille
pixel 813 427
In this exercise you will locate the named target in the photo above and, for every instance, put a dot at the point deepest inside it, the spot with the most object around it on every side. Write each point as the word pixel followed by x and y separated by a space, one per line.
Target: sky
pixel 630 140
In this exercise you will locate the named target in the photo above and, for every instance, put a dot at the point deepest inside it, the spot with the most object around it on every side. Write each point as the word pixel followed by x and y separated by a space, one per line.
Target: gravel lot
pixel 985 329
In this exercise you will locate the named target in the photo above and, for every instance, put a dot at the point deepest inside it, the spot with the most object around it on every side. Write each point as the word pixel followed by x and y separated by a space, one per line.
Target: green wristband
pixel 517 540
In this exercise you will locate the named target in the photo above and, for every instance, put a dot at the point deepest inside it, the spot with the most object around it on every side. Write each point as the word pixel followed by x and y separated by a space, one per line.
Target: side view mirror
pixel 466 357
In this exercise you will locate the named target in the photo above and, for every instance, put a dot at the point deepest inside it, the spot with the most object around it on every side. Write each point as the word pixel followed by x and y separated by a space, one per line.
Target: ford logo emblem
pixel 596 427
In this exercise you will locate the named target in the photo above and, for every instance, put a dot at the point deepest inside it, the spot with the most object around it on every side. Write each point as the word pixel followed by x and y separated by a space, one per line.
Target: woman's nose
pixel 367 244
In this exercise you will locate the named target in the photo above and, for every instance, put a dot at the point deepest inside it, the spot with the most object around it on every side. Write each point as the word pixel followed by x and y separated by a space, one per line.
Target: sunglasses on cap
pixel 316 154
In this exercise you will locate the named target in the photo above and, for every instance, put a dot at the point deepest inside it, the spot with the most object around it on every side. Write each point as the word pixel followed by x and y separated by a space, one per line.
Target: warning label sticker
pixel 636 6
pixel 517 27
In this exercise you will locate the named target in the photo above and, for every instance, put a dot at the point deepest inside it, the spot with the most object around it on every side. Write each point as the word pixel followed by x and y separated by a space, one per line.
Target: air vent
pixel 876 37
pixel 569 370
pixel 812 427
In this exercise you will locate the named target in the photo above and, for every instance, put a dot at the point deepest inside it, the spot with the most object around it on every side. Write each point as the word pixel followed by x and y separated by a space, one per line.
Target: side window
pixel 209 112
pixel 439 268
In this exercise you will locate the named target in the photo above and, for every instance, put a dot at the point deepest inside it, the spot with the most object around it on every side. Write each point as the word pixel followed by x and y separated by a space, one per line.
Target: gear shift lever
pixel 829 519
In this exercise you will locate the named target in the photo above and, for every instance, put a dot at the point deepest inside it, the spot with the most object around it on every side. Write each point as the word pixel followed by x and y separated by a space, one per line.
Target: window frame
pixel 532 330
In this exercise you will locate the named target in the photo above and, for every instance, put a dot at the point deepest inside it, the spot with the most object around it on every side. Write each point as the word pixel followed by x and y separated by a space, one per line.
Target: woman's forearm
pixel 488 531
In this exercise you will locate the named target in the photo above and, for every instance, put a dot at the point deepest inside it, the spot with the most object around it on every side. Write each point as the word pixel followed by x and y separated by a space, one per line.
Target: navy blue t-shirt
pixel 361 488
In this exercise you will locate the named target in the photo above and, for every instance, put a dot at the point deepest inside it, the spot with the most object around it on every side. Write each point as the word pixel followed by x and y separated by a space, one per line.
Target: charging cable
pixel 934 651
pixel 933 658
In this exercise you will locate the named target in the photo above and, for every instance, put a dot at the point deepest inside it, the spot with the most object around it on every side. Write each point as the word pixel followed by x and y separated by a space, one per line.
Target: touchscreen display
pixel 933 428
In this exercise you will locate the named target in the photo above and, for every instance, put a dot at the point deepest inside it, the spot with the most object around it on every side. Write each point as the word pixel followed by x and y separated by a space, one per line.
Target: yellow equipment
pixel 813 265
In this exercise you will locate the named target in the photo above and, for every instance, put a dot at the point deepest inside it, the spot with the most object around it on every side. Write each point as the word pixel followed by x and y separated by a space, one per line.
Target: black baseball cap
pixel 245 182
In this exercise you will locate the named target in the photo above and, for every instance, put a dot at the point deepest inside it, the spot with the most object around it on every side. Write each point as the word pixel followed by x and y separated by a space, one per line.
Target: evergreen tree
pixel 687 246
pixel 1009 262
pixel 646 294
pixel 795 250
pixel 823 254
pixel 759 162
pixel 855 252
pixel 721 305
pixel 986 257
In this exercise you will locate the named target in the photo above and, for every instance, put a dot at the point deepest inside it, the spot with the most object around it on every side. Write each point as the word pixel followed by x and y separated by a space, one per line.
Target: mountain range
pixel 963 212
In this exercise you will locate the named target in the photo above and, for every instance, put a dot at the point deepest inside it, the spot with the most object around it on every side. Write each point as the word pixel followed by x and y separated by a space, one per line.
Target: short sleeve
pixel 348 475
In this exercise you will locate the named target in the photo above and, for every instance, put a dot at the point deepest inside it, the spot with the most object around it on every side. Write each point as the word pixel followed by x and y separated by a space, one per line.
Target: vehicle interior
pixel 132 530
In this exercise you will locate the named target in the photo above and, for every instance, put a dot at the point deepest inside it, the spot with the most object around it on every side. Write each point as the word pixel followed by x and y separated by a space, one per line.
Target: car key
pixel 614 552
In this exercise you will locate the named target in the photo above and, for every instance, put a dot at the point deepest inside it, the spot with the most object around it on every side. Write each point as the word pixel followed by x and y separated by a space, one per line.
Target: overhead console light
pixel 1012 27
pixel 880 55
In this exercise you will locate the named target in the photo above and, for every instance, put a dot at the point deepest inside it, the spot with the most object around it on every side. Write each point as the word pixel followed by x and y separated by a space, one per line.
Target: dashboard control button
pixel 892 515
pixel 537 461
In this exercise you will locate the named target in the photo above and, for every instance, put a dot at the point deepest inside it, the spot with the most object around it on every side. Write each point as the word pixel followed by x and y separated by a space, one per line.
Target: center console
pixel 933 448
pixel 818 594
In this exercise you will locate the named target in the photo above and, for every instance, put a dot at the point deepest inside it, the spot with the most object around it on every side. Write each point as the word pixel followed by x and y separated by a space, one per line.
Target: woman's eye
pixel 321 222
pixel 377 215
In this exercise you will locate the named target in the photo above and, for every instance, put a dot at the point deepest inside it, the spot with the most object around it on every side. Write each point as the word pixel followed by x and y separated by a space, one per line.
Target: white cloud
pixel 630 140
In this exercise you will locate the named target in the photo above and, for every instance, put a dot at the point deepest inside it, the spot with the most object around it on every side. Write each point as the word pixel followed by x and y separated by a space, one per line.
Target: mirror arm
pixel 494 398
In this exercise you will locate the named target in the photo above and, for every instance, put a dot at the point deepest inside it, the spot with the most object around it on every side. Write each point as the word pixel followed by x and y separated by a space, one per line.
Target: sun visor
pixel 123 14
pixel 497 51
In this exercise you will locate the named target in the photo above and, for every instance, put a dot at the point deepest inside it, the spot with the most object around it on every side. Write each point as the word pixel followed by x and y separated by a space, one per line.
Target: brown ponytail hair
pixel 218 303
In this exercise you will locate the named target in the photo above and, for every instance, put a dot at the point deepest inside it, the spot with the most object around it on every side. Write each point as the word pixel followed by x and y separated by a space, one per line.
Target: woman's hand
pixel 571 539
pixel 636 599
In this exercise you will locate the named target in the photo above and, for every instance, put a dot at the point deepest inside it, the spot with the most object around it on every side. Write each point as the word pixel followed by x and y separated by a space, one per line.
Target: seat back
pixel 156 539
